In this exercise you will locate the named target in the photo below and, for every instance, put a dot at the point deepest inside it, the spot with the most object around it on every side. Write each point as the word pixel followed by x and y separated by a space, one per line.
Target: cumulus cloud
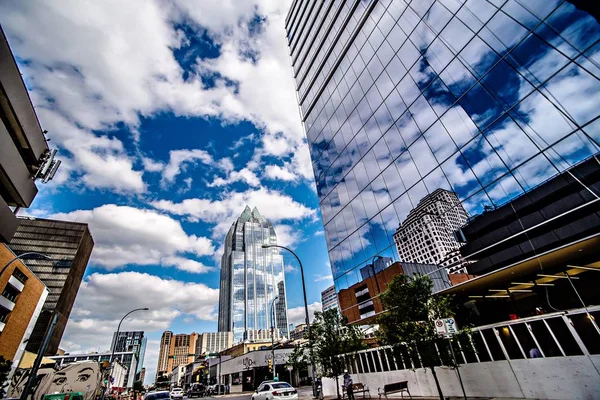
pixel 121 74
pixel 244 175
pixel 297 315
pixel 323 278
pixel 102 299
pixel 281 173
pixel 287 235
pixel 273 205
pixel 126 235
pixel 179 159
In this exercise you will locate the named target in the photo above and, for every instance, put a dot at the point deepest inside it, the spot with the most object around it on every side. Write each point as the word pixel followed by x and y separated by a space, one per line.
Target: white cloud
pixel 178 161
pixel 127 235
pixel 323 278
pixel 244 175
pixel 287 235
pixel 151 165
pixel 104 298
pixel 297 315
pixel 273 205
pixel 290 269
pixel 185 264
pixel 281 173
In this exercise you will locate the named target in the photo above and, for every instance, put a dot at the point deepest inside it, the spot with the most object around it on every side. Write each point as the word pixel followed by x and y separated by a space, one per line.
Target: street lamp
pixel 21 256
pixel 266 246
pixel 273 334
pixel 115 345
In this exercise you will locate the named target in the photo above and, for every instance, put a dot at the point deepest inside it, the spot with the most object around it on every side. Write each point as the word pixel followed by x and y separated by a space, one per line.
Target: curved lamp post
pixel 266 246
pixel 112 355
pixel 21 256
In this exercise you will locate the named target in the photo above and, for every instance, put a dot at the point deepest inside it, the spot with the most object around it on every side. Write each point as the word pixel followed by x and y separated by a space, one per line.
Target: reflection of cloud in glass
pixel 483 102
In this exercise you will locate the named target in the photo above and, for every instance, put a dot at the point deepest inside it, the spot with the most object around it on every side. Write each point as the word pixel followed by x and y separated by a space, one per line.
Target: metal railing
pixel 560 334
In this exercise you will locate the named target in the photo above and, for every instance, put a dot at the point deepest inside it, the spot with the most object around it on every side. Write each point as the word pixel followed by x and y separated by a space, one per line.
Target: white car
pixel 275 391
pixel 177 393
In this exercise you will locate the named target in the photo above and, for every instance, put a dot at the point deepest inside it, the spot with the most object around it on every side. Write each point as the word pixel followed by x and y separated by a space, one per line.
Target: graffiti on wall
pixel 77 377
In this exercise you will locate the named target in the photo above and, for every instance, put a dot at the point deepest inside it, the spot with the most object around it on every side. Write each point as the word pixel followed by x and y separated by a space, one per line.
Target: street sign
pixel 290 368
pixel 446 326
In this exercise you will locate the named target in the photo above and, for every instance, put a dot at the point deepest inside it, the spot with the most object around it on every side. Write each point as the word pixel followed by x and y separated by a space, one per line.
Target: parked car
pixel 197 390
pixel 158 395
pixel 177 393
pixel 270 390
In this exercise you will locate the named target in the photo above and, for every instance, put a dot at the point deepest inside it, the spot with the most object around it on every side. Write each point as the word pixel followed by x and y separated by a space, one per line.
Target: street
pixel 304 393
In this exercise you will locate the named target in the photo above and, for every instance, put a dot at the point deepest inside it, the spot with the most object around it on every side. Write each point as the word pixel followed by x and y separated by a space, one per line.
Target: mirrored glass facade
pixel 251 278
pixel 405 101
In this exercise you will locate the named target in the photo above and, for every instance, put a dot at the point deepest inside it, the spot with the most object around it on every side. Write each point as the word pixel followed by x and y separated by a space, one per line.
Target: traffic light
pixel 270 364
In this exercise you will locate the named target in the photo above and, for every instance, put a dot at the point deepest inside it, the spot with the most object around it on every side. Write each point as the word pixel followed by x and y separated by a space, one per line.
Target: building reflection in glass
pixel 485 100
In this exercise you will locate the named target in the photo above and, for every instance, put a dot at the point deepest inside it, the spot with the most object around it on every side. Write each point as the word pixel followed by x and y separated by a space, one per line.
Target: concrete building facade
pixel 175 350
pixel 402 99
pixel 214 342
pixel 69 246
pixel 24 153
pixel 329 299
pixel 21 301
pixel 427 235
pixel 251 278
pixel 163 354
pixel 131 341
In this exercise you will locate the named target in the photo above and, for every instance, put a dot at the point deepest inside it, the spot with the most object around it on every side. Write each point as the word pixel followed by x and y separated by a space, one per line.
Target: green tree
pixel 409 320
pixel 299 359
pixel 5 366
pixel 331 336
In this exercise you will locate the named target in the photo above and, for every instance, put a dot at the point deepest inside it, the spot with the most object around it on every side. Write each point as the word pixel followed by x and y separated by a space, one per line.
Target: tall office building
pixel 164 352
pixel 175 350
pixel 214 342
pixel 24 153
pixel 329 299
pixel 69 246
pixel 251 277
pixel 131 341
pixel 399 99
pixel 428 234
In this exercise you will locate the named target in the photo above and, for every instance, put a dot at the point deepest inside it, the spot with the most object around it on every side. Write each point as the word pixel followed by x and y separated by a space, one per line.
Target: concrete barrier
pixel 559 378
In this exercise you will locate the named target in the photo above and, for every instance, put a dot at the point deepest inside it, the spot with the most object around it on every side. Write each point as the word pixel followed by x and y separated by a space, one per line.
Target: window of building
pixel 10 293
pixel 19 275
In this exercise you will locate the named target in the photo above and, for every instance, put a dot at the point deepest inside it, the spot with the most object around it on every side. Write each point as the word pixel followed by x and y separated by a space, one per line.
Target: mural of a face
pixel 78 377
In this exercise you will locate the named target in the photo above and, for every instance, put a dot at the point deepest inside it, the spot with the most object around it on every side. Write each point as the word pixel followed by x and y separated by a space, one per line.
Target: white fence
pixel 497 360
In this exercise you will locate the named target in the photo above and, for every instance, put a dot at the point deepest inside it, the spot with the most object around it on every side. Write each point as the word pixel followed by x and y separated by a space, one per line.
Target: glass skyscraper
pixel 251 277
pixel 484 100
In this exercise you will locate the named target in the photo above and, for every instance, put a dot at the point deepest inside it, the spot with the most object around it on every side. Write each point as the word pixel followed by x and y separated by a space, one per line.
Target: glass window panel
pixel 383 118
pixel 571 150
pixel 504 189
pixel 501 82
pixel 502 33
pixel 417 192
pixel 540 119
pixel 511 143
pixel 576 26
pixel 395 105
pixel 423 157
pixel 459 125
pixel 475 13
pixel 481 106
pixel 382 154
pixel 375 67
pixel 534 172
pixel 438 55
pixel 484 162
pixel 394 142
pixel 457 78
pixel 407 169
pixel 422 113
pixel 456 35
pixel 408 128
pixel 396 70
pixel 440 142
pixel 408 20
pixel 460 176
pixel 385 53
pixel 396 37
pixel 408 54
pixel 393 181
pixel 422 36
pixel 436 180
pixel 575 91
pixel 402 205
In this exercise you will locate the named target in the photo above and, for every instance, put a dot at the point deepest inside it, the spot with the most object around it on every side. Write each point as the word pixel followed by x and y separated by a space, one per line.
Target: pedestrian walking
pixel 348 385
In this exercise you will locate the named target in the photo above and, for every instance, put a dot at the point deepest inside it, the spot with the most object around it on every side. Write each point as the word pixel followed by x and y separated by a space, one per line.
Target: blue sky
pixel 169 118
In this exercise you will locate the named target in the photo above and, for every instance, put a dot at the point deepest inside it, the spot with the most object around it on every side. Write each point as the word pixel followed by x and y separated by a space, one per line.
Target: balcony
pixel 6 303
pixel 2 326
pixel 17 284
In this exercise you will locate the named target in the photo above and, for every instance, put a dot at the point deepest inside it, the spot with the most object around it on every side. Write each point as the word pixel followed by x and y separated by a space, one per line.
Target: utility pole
pixel 273 334
pixel 40 356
